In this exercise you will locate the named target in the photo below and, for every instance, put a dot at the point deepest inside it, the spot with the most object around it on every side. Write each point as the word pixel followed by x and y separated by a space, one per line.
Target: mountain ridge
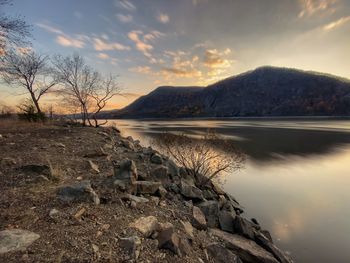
pixel 262 92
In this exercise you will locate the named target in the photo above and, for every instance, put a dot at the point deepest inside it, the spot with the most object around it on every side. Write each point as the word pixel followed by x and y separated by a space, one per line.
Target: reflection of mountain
pixel 264 144
pixel 266 91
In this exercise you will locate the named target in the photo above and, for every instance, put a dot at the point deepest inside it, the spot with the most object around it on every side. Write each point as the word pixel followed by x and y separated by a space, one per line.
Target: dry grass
pixel 56 172
pixel 20 124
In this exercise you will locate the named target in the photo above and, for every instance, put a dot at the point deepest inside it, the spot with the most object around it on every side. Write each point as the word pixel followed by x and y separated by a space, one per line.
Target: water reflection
pixel 295 181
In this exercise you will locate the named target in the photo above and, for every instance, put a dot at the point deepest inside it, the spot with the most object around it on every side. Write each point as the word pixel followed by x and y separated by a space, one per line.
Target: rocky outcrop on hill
pixel 140 207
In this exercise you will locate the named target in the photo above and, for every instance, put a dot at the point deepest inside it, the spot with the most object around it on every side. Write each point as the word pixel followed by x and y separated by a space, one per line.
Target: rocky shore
pixel 74 194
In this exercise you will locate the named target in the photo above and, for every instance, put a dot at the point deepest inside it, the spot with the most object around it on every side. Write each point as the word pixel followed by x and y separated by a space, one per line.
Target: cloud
pixel 67 41
pixel 141 69
pixel 78 41
pixel 126 5
pixel 101 45
pixel 124 18
pixel 214 59
pixel 179 72
pixel 335 24
pixel 50 29
pixel 102 56
pixel 140 44
pixel 163 18
pixel 312 7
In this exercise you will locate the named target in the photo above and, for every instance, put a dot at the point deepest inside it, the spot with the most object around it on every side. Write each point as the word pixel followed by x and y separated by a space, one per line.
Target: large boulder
pixel 247 250
pixel 226 221
pixel 147 187
pixel 190 191
pixel 79 192
pixel 168 239
pixel 264 242
pixel 198 218
pixel 211 211
pixel 243 227
pixel 16 240
pixel 126 172
pixel 220 254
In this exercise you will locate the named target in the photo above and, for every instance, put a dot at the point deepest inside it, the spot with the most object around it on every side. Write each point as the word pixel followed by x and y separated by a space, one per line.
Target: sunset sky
pixel 150 43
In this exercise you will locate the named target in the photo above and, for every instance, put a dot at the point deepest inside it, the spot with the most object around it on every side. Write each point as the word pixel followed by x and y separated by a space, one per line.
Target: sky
pixel 151 43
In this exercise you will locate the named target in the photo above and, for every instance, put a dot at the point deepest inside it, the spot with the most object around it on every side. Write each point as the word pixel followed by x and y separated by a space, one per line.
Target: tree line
pixel 80 87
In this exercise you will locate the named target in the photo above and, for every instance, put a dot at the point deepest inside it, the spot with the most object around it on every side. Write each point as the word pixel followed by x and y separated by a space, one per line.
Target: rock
pixel 155 200
pixel 190 191
pixel 199 220
pixel 217 189
pixel 174 188
pixel 134 198
pixel 61 145
pixel 167 239
pixel 147 187
pixel 267 235
pixel 219 254
pixel 163 226
pixel 80 192
pixel 7 162
pixel 243 227
pixel 209 195
pixel 96 153
pixel 156 159
pixel 131 245
pixel 126 171
pixel 145 225
pixel 226 220
pixel 247 250
pixel 54 213
pixel 16 240
pixel 173 169
pixel 121 185
pixel 127 144
pixel 162 192
pixel 269 246
pixel 211 211
pixel 94 166
pixel 188 228
pixel 160 173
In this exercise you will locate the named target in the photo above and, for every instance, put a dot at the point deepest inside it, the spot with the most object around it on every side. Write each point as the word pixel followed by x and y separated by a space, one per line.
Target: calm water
pixel 296 180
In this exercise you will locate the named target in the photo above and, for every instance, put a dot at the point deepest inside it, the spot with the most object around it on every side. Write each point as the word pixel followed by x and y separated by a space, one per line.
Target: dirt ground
pixel 27 197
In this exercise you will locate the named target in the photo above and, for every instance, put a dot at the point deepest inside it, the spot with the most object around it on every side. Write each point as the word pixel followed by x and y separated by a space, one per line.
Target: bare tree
pixel 203 158
pixel 14 31
pixel 29 71
pixel 84 86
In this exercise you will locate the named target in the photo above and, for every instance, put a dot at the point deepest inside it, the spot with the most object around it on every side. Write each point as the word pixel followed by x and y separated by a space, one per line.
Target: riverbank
pixel 74 194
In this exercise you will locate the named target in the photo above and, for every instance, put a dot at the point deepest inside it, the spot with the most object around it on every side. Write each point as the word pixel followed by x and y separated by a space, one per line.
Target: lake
pixel 295 182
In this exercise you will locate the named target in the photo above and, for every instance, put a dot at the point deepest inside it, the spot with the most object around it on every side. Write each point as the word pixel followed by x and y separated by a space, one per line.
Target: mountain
pixel 265 91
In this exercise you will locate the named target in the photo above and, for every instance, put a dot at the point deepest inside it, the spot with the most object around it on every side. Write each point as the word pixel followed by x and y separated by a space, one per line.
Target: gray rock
pixel 198 218
pixel 16 240
pixel 127 144
pixel 160 173
pixel 209 195
pixel 120 184
pixel 174 188
pixel 190 191
pixel 264 242
pixel 220 254
pixel 168 239
pixel 131 246
pixel 126 171
pixel 156 159
pixel 211 212
pixel 267 234
pixel 173 169
pixel 226 221
pixel 162 192
pixel 147 187
pixel 188 228
pixel 243 227
pixel 54 213
pixel 80 192
pixel 247 250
